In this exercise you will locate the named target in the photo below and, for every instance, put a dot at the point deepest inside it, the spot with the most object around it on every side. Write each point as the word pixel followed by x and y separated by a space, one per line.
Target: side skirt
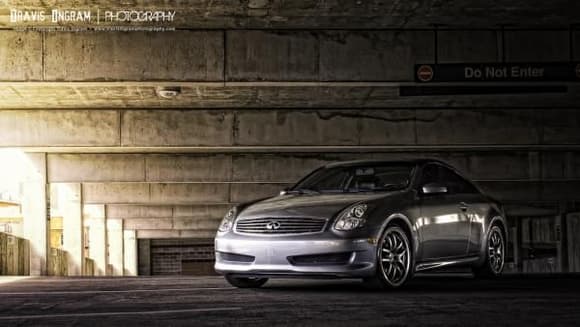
pixel 438 264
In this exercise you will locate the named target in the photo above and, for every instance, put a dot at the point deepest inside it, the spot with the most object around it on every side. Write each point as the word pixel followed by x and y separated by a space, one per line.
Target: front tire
pixel 494 255
pixel 394 260
pixel 246 282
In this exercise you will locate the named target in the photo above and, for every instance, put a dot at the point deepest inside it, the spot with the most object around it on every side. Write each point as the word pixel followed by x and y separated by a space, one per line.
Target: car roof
pixel 418 161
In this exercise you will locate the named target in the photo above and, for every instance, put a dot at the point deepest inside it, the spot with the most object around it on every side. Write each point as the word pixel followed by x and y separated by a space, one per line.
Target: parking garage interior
pixel 123 150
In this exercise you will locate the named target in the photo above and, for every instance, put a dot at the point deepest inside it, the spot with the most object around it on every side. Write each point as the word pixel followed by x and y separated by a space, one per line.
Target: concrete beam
pixel 279 168
pixel 121 193
pixel 180 168
pixel 266 95
pixel 468 46
pixel 155 193
pixel 537 46
pixel 298 128
pixel 178 223
pixel 477 127
pixel 498 166
pixel 373 55
pixel 185 56
pixel 153 234
pixel 248 192
pixel 387 127
pixel 533 191
pixel 66 128
pixel 200 212
pixel 174 128
pixel 561 127
pixel 184 193
pixel 272 55
pixel 95 168
pixel 196 223
pixel 148 223
pixel 305 127
pixel 139 211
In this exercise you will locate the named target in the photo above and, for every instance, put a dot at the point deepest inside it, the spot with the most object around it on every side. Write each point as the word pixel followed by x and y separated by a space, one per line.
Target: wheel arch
pixel 493 220
pixel 499 220
pixel 403 221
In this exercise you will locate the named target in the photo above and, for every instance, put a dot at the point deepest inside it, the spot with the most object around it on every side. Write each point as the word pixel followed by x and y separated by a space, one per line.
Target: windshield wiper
pixel 391 187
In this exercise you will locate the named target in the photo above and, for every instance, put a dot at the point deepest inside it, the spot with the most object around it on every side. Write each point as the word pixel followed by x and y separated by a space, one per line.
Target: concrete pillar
pixel 94 215
pixel 70 207
pixel 115 246
pixel 130 252
pixel 34 211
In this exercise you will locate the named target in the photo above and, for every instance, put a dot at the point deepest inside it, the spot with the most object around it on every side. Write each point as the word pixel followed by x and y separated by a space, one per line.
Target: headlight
pixel 228 221
pixel 351 218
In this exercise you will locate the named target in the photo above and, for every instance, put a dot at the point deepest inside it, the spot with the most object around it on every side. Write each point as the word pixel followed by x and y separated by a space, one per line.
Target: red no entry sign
pixel 425 73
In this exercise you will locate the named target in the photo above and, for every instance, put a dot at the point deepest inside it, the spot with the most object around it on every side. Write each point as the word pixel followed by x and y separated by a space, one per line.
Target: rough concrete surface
pixel 210 301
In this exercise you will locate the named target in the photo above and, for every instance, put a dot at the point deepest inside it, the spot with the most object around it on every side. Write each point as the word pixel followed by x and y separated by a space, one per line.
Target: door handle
pixel 463 206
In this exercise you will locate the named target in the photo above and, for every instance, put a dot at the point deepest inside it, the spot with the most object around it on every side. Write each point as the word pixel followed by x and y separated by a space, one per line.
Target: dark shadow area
pixel 438 284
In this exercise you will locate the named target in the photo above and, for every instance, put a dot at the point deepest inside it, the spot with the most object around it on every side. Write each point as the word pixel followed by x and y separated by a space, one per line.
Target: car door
pixel 473 205
pixel 444 226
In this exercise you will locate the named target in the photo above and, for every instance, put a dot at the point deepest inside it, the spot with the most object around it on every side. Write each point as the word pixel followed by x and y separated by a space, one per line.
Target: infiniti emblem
pixel 273 225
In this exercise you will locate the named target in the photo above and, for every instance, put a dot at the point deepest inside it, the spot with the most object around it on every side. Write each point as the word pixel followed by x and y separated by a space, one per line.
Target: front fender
pixel 403 220
pixel 494 219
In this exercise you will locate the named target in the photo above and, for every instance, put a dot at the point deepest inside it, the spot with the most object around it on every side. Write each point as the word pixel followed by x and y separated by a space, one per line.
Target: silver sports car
pixel 375 220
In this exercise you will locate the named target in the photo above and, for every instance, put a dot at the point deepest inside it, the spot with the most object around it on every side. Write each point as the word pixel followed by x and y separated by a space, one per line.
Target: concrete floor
pixel 196 301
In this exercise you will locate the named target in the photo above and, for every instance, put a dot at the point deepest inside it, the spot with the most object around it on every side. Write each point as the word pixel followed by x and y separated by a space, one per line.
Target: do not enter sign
pixel 498 72
pixel 425 73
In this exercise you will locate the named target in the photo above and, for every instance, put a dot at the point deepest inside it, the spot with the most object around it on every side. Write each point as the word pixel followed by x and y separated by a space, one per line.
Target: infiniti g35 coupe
pixel 375 220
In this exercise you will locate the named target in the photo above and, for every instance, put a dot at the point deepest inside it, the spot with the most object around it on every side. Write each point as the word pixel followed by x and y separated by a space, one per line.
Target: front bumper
pixel 258 255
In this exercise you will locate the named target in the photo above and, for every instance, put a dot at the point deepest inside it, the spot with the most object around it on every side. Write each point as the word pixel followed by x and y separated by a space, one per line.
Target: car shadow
pixel 561 283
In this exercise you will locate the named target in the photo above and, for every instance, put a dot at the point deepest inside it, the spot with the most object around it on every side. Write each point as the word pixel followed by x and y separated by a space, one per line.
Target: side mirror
pixel 434 188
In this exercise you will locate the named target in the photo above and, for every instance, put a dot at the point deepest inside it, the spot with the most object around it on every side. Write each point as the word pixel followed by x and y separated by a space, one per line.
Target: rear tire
pixel 394 260
pixel 246 282
pixel 494 255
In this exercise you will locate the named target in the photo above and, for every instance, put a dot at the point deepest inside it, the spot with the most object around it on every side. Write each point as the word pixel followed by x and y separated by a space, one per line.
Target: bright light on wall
pixel 15 168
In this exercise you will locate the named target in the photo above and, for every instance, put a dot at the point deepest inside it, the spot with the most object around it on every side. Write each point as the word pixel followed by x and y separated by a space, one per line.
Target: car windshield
pixel 363 178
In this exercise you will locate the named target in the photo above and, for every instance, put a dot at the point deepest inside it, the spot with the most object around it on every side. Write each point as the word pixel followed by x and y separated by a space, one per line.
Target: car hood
pixel 299 205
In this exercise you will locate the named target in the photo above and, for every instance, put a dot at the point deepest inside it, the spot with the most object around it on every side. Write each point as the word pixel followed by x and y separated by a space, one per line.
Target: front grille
pixel 327 259
pixel 287 225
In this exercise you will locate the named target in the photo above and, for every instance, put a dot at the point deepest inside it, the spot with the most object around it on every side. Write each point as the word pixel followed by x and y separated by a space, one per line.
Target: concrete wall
pixel 268 55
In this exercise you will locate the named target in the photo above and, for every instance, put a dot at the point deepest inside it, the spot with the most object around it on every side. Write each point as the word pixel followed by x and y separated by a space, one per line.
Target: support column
pixel 130 252
pixel 94 215
pixel 115 246
pixel 69 205
pixel 34 212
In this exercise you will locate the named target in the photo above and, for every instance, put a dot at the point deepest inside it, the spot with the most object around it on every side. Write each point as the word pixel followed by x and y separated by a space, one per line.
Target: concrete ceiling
pixel 106 95
pixel 334 13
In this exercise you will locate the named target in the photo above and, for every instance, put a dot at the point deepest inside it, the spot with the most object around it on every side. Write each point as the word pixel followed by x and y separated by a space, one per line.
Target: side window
pixel 431 174
pixel 456 183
